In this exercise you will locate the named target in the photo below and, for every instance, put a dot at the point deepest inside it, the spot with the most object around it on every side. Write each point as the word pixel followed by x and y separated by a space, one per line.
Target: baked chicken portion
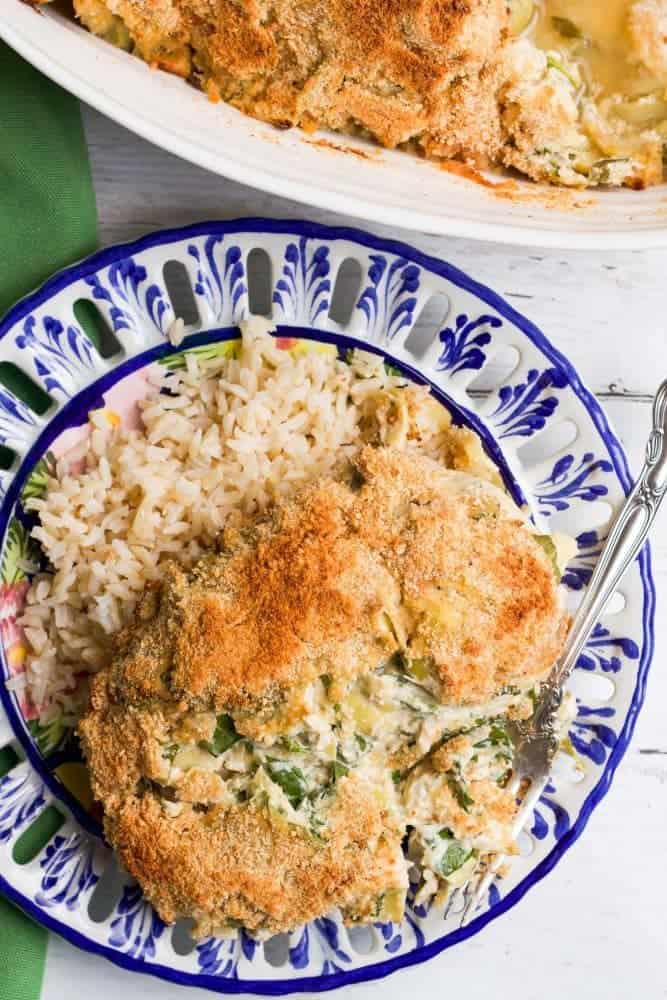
pixel 397 70
pixel 565 92
pixel 277 718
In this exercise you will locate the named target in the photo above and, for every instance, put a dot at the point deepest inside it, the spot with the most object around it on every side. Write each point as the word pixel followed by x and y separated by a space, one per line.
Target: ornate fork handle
pixel 625 540
pixel 536 743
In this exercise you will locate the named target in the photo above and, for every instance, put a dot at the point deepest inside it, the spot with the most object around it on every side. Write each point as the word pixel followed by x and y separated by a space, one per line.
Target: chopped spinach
pixel 504 777
pixel 455 855
pixel 339 770
pixel 291 780
pixel 224 737
pixel 553 63
pixel 357 480
pixel 458 790
pixel 600 170
pixel 292 746
pixel 315 829
pixel 362 742
pixel 498 736
pixel 424 700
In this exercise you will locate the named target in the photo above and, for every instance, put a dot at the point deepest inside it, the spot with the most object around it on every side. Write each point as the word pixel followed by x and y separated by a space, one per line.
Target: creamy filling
pixel 612 58
pixel 439 770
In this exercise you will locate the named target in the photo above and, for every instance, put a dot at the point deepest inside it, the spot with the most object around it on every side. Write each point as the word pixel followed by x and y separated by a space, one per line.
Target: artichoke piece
pixel 645 112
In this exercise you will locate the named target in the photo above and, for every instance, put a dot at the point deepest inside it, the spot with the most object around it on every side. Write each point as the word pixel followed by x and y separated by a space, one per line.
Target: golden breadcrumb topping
pixel 276 716
pixel 568 93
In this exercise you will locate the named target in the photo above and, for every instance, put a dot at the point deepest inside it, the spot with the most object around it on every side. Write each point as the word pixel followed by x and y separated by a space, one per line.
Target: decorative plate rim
pixel 618 459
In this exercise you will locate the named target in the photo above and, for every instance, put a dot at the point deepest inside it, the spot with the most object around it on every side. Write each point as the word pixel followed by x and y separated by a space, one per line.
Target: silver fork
pixel 534 740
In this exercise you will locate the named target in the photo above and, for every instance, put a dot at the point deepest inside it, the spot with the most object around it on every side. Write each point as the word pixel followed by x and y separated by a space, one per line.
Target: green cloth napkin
pixel 47 220
pixel 47 203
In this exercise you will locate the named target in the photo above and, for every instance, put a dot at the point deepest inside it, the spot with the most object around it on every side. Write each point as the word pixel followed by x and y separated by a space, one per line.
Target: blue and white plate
pixel 491 367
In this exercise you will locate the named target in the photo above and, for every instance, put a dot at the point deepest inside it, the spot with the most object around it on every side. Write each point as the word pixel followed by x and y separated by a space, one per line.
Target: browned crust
pixel 506 623
pixel 399 70
pixel 262 617
pixel 295 595
pixel 243 864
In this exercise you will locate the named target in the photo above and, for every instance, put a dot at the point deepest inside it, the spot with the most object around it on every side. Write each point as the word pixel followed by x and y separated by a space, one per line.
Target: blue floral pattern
pixel 304 286
pixel 391 936
pixel 389 300
pixel 135 927
pixel 68 866
pixel 20 801
pixel 58 354
pixel 131 299
pixel 416 930
pixel 220 284
pixel 524 408
pixel 462 345
pixel 549 816
pixel 580 567
pixel 218 957
pixel 590 735
pixel 572 479
pixel 298 953
pixel 605 651
pixel 17 421
pixel 248 946
pixel 329 933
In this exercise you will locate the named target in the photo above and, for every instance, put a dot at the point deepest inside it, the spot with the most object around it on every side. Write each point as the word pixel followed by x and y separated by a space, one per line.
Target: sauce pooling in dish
pixel 609 58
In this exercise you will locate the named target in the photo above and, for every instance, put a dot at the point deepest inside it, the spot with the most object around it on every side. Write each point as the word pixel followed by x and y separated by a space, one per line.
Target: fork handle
pixel 624 542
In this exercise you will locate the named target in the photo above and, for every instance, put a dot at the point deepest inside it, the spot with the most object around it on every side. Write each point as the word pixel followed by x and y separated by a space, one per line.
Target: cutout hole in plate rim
pixel 181 939
pixel 427 326
pixel 276 950
pixel 363 939
pixel 37 835
pixel 494 372
pixel 107 892
pixel 589 686
pixel 25 388
pixel 346 290
pixel 259 271
pixel 9 758
pixel 547 444
pixel 181 295
pixel 96 328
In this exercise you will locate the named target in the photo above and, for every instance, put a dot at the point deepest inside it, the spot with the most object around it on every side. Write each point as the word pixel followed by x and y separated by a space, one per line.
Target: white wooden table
pixel 594 928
